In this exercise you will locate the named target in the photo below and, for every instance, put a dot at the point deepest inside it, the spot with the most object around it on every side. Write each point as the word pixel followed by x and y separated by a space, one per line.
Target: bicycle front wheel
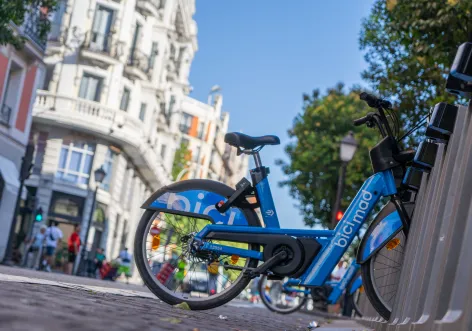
pixel 277 299
pixel 172 270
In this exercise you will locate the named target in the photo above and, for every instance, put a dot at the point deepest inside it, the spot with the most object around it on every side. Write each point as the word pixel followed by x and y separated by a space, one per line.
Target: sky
pixel 264 55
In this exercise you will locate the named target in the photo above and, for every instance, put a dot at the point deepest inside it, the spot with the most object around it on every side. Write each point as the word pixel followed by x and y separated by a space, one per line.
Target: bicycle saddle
pixel 237 139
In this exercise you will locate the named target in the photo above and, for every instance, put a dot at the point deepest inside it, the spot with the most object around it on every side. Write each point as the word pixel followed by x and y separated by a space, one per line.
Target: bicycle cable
pixel 416 126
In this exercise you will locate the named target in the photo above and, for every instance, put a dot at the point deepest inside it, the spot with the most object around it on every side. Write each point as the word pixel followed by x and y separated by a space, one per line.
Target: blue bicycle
pixel 285 297
pixel 213 235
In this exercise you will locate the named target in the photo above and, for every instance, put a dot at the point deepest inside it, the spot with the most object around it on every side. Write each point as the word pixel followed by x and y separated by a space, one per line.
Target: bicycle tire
pixel 380 302
pixel 144 269
pixel 350 298
pixel 277 310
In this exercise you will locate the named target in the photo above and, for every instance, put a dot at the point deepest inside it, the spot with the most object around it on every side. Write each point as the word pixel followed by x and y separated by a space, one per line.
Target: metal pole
pixel 82 266
pixel 7 259
pixel 339 193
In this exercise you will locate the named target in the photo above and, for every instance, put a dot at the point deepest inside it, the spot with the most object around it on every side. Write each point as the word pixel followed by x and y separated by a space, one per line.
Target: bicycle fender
pixel 383 232
pixel 190 198
pixel 355 286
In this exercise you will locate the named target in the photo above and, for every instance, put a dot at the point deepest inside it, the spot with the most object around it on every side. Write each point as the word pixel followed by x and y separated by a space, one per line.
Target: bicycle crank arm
pixel 263 268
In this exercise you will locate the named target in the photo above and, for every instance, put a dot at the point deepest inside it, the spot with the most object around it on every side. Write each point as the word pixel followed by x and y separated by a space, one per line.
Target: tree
pixel 180 159
pixel 410 46
pixel 16 11
pixel 314 155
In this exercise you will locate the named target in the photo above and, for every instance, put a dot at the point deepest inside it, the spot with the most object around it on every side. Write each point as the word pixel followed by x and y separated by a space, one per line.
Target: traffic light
pixel 38 215
pixel 339 215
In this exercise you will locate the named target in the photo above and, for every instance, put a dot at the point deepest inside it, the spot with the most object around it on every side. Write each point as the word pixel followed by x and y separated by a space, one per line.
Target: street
pixel 43 301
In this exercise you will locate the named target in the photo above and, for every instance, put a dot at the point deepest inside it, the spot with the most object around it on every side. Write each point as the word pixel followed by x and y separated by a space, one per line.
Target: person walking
pixel 34 251
pixel 53 235
pixel 73 248
pixel 98 261
pixel 125 264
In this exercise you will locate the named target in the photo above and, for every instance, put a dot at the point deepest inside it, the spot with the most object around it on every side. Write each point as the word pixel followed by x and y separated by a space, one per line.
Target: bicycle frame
pixel 334 242
pixel 338 287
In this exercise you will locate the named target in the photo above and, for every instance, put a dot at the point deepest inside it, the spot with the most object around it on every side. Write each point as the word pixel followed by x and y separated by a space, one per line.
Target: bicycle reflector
pixel 444 118
pixel 392 244
pixel 462 65
pixel 339 215
pixel 426 154
pixel 234 259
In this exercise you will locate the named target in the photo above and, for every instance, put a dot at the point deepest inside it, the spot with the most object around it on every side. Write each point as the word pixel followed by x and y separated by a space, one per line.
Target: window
pixel 90 87
pixel 125 99
pixel 196 154
pixel 201 128
pixel 75 162
pixel 186 123
pixel 137 30
pixel 10 100
pixel 154 53
pixel 100 38
pixel 171 105
pixel 108 167
pixel 66 206
pixel 142 112
pixel 39 152
pixel 163 151
pixel 124 235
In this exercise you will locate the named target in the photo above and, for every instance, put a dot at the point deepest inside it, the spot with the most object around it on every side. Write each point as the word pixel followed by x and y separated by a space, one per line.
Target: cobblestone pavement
pixel 33 301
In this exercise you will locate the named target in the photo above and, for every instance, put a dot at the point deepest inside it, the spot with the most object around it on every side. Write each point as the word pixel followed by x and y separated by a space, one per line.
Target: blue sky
pixel 265 55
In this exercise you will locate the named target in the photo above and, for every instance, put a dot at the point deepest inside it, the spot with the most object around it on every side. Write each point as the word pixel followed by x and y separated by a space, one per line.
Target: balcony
pixel 102 49
pixel 138 65
pixel 31 28
pixel 151 7
pixel 108 123
pixel 5 114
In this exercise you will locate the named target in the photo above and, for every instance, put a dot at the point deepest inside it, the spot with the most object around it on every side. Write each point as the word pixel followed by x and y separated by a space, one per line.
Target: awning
pixel 9 174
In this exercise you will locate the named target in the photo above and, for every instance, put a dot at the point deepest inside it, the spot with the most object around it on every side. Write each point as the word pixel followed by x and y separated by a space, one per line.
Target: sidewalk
pixel 49 302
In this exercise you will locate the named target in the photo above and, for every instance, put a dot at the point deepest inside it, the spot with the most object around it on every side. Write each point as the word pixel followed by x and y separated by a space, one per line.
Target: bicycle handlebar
pixel 361 121
pixel 373 101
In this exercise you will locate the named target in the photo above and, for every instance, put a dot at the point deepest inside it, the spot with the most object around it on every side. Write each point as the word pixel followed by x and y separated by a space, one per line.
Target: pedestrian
pixel 37 243
pixel 125 264
pixel 98 260
pixel 53 235
pixel 73 246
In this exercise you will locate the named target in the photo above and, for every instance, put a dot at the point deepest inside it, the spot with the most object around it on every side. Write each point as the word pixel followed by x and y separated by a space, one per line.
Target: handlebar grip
pixel 369 98
pixel 373 101
pixel 361 121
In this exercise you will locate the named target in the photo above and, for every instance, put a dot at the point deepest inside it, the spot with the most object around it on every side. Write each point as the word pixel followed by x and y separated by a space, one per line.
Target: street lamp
pixel 99 176
pixel 346 153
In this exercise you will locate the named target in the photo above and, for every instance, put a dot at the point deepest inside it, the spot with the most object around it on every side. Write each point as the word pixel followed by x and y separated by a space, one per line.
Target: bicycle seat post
pixel 257 159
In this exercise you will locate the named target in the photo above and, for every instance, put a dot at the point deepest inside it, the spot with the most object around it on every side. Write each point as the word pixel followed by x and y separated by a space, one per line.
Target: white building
pixel 116 72
pixel 20 75
pixel 114 96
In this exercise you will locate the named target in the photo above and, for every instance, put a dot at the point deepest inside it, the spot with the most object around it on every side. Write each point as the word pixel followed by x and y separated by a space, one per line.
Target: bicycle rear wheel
pixel 352 308
pixel 276 299
pixel 175 274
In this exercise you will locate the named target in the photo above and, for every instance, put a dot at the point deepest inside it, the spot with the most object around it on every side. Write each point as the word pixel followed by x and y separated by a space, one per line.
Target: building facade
pixel 115 72
pixel 114 95
pixel 21 72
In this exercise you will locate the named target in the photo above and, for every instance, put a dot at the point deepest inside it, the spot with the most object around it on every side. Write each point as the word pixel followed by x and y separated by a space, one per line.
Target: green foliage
pixel 410 46
pixel 16 11
pixel 180 159
pixel 314 164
